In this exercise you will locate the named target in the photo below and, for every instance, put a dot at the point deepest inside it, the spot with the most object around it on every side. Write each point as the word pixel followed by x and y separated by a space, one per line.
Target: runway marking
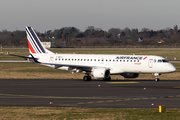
pixel 170 96
pixel 176 87
pixel 81 103
pixel 121 82
pixel 127 99
pixel 136 99
pixel 34 96
pixel 90 102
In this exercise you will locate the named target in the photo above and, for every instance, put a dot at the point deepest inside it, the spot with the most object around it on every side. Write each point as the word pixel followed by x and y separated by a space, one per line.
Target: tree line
pixel 115 36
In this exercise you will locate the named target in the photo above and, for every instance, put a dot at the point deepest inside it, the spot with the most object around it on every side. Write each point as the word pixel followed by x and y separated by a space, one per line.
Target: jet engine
pixel 100 73
pixel 130 75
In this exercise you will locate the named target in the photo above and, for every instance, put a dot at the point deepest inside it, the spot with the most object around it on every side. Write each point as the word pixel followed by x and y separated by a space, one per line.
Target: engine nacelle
pixel 100 73
pixel 130 75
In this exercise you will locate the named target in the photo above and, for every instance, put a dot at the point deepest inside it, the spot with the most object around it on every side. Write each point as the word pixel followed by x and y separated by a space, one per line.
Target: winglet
pixel 35 60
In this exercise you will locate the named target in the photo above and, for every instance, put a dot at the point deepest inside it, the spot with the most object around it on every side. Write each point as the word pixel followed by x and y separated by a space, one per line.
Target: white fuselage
pixel 116 63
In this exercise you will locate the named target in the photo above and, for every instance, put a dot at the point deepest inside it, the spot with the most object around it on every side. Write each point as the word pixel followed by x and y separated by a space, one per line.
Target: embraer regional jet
pixel 98 66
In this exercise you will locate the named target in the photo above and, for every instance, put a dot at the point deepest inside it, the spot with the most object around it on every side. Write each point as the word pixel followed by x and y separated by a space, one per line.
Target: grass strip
pixel 61 113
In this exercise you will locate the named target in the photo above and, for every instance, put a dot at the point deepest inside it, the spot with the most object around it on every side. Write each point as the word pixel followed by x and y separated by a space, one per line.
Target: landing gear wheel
pixel 107 79
pixel 156 79
pixel 87 78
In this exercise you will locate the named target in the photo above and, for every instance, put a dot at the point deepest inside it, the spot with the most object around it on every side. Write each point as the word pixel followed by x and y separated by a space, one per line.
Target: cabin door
pixel 51 59
pixel 150 63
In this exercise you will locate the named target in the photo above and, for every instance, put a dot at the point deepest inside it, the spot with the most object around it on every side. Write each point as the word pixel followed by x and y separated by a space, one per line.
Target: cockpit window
pixel 159 60
pixel 164 60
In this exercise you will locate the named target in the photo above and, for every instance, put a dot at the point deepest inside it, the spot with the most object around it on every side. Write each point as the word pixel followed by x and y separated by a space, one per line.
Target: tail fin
pixel 35 46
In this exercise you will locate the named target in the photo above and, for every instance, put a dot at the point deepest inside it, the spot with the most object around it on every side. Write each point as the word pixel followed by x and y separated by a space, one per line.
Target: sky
pixel 44 15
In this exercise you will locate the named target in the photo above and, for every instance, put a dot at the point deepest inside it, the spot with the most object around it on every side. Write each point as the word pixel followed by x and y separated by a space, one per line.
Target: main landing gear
pixel 87 78
pixel 107 79
pixel 156 77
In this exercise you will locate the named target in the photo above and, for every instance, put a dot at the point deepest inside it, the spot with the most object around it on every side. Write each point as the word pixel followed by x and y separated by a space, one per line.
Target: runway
pixel 91 94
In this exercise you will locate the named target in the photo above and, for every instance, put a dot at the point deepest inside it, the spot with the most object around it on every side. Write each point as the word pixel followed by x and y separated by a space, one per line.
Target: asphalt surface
pixel 95 93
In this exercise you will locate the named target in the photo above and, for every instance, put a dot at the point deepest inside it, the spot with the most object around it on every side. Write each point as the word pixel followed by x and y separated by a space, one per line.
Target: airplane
pixel 98 66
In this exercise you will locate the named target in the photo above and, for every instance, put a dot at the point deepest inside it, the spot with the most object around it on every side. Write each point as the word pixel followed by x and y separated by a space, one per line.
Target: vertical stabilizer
pixel 35 46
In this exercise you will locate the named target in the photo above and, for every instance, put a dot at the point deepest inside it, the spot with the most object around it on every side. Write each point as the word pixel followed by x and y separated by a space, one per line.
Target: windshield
pixel 163 60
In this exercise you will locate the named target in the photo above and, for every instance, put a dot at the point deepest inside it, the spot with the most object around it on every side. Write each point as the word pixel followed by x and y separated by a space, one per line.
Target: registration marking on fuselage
pixel 121 82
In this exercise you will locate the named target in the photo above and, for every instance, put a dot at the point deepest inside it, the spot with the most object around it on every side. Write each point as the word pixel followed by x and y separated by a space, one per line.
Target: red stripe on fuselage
pixel 31 48
pixel 144 58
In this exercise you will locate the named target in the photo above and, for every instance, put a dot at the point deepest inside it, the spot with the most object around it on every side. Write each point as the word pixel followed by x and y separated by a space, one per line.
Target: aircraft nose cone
pixel 172 68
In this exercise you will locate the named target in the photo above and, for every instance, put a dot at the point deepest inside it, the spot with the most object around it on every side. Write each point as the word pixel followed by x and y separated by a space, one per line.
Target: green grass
pixel 47 113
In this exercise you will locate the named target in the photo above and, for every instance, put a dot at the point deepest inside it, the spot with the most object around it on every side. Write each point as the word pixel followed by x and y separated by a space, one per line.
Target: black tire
pixel 89 78
pixel 85 78
pixel 107 79
pixel 157 79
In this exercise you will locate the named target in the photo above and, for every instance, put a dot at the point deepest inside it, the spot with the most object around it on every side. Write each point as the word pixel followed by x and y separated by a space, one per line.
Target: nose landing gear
pixel 156 76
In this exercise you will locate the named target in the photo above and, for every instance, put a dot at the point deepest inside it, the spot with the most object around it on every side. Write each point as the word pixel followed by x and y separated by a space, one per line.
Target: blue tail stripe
pixel 33 40
pixel 37 41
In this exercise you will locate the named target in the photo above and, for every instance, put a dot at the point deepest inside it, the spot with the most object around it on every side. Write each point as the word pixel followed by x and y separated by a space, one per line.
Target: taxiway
pixel 95 93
